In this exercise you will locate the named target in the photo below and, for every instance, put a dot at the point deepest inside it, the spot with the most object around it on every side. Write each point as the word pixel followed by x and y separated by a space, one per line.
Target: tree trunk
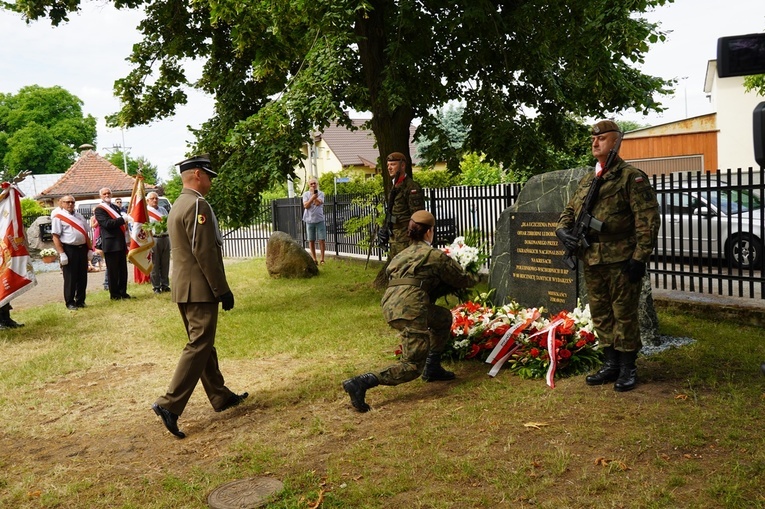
pixel 391 127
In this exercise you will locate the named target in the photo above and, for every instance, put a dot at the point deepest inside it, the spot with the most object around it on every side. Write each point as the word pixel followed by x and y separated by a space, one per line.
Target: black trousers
pixel 75 274
pixel 116 265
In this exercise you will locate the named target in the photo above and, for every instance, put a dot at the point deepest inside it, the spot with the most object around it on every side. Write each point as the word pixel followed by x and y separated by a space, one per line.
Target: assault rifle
pixel 384 232
pixel 586 220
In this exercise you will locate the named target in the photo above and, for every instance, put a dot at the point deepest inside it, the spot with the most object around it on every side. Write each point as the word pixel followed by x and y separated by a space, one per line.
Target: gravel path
pixel 50 286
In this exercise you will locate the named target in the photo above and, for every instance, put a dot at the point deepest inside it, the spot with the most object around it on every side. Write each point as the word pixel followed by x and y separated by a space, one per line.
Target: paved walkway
pixel 749 311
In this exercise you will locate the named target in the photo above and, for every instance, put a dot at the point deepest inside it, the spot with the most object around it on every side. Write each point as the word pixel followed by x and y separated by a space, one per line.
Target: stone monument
pixel 526 262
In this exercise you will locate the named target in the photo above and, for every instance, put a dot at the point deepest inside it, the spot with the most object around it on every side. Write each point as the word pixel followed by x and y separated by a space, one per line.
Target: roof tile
pixel 88 175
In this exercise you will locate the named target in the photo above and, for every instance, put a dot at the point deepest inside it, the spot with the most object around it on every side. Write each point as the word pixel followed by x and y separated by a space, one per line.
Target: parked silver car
pixel 711 222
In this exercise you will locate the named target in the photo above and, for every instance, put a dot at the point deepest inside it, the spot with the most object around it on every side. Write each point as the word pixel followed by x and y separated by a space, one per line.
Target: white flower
pixel 48 252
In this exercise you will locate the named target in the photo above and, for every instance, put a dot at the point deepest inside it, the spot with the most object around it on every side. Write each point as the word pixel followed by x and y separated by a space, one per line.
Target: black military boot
pixel 433 371
pixel 627 372
pixel 609 371
pixel 356 388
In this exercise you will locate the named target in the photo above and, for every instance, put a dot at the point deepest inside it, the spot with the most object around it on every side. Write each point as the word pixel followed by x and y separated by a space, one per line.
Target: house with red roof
pixel 338 149
pixel 85 178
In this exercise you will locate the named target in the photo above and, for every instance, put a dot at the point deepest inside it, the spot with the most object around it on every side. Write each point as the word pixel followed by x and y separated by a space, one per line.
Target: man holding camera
pixel 313 217
pixel 405 199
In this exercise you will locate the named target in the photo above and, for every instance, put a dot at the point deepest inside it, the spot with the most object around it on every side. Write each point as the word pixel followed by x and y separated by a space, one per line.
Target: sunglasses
pixel 67 201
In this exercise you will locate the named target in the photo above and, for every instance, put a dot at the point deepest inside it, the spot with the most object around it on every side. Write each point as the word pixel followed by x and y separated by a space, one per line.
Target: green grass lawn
pixel 76 429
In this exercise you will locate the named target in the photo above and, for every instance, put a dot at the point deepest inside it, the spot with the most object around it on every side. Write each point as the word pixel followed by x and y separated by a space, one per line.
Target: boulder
pixel 287 258
pixel 34 238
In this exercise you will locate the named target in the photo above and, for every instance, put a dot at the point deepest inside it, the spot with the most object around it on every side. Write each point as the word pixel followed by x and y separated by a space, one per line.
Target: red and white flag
pixel 141 240
pixel 16 274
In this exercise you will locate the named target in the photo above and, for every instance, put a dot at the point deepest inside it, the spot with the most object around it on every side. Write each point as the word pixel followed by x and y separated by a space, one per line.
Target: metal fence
pixel 459 211
pixel 712 231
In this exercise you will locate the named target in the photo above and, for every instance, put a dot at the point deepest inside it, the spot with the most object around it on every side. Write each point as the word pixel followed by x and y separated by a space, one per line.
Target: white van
pixel 85 207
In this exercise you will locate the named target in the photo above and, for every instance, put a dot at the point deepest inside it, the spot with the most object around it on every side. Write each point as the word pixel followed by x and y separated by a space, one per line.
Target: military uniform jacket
pixel 407 199
pixel 430 266
pixel 197 250
pixel 627 205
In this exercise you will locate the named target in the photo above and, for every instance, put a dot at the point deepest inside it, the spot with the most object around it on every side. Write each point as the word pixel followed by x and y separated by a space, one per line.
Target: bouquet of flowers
pixel 469 257
pixel 45 253
pixel 524 339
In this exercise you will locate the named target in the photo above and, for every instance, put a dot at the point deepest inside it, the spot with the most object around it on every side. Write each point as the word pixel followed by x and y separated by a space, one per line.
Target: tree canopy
pixel 149 171
pixel 41 129
pixel 527 72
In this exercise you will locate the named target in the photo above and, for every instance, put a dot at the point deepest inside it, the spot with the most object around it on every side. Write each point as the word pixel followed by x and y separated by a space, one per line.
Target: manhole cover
pixel 244 493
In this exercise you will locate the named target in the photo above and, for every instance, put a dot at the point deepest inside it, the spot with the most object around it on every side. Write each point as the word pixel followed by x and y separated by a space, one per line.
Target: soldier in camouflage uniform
pixel 417 277
pixel 405 199
pixel 615 262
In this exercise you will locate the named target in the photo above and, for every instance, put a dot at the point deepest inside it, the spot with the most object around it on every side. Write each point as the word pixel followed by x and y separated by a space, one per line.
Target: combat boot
pixel 433 371
pixel 356 388
pixel 609 371
pixel 627 372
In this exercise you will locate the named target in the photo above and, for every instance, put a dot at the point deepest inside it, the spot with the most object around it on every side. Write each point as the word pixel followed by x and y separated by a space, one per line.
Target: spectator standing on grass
pixel 71 236
pixel 113 227
pixel 160 253
pixel 313 217
pixel 615 261
pixel 199 284
pixel 418 276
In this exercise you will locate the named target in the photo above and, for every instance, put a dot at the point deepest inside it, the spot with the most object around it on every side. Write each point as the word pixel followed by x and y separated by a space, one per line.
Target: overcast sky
pixel 88 54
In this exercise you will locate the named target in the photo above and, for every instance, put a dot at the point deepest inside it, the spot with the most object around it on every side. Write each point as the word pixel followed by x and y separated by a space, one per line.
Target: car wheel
pixel 745 251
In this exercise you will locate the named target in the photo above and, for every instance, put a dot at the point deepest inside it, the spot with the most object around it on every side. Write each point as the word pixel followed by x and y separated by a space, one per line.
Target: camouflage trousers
pixel 418 337
pixel 614 306
pixel 399 240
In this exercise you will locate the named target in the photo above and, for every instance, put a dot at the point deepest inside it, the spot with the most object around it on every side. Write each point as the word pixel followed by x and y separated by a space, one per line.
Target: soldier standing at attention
pixel 199 283
pixel 405 199
pixel 416 278
pixel 615 262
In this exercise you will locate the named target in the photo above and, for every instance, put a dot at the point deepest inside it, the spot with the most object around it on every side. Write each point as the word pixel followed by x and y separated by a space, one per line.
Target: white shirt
pixel 67 233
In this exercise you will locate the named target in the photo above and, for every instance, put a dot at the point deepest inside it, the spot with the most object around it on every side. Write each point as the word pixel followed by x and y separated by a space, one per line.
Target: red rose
pixel 474 349
pixel 534 352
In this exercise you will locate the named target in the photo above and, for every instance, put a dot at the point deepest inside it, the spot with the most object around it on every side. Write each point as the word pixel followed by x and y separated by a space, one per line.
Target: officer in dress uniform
pixel 199 284
pixel 615 262
pixel 405 199
pixel 417 277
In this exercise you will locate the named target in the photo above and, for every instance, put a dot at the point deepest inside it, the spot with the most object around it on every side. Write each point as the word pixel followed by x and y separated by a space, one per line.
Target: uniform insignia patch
pixel 638 179
pixel 201 219
pixel 413 191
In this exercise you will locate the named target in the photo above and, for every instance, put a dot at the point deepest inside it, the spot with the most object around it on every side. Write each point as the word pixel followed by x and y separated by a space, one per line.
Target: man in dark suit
pixel 113 229
pixel 199 283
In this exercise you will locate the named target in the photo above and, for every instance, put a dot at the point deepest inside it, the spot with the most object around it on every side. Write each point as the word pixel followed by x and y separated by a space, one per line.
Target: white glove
pixel 63 259
pixel 128 219
pixel 90 255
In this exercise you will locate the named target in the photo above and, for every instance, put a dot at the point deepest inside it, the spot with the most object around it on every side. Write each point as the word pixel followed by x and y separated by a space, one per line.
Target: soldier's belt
pixel 606 237
pixel 406 281
pixel 398 220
